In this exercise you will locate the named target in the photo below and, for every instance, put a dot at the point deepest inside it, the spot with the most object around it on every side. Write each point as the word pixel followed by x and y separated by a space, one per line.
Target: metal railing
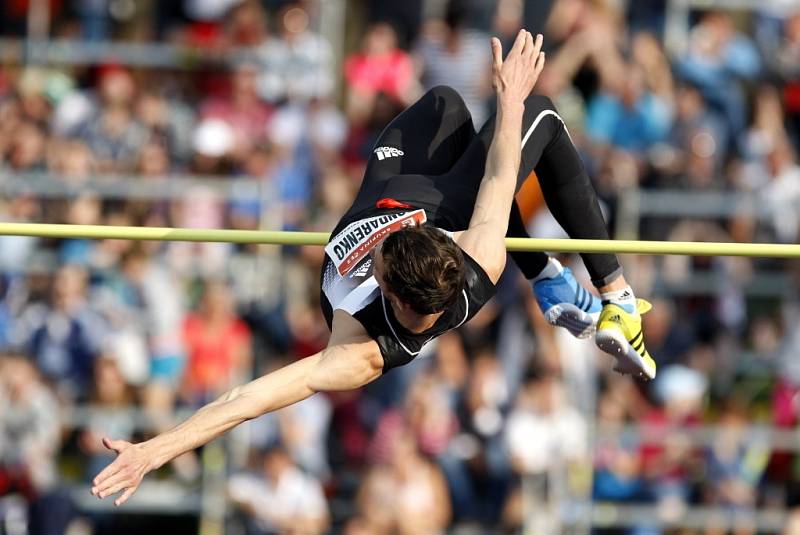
pixel 169 497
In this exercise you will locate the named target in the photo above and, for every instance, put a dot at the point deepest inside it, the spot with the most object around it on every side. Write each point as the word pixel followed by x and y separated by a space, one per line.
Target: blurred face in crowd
pixel 780 157
pixel 610 410
pixel 768 112
pixel 74 159
pixel 792 28
pixel 18 376
pixel 217 301
pixel 23 207
pixel 27 147
pixel 633 86
pixel 244 83
pixel 109 384
pixel 259 162
pixel 295 22
pixel 117 87
pixel 247 24
pixel 85 210
pixel 690 102
pixel 152 110
pixel 154 159
pixel 276 462
pixel 545 395
pixel 69 286
pixel 712 34
pixel 379 40
pixel 646 49
pixel 484 383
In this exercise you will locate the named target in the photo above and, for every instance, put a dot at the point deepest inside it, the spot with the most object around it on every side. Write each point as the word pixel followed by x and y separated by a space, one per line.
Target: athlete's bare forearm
pixel 502 164
pixel 266 394
pixel 513 80
pixel 343 366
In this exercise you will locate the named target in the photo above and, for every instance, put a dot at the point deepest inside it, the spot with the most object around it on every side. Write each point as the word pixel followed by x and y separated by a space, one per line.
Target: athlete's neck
pixel 412 321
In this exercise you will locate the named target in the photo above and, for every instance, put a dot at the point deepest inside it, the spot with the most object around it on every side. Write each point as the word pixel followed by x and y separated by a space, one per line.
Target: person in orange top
pixel 218 346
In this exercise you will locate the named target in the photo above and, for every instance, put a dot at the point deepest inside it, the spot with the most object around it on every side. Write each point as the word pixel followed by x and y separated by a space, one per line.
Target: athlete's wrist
pixel 510 103
pixel 155 454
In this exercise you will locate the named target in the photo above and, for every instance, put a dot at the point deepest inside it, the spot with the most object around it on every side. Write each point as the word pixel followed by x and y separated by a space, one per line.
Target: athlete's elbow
pixel 345 369
pixel 371 368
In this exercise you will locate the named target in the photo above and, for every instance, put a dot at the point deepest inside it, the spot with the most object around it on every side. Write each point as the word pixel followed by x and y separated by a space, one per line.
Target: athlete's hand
pixel 126 472
pixel 514 78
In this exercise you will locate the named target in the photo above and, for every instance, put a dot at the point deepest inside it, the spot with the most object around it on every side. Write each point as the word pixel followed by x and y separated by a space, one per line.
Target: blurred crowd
pixel 504 423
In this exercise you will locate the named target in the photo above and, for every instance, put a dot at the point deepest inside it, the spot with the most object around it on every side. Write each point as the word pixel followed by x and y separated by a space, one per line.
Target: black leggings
pixel 439 161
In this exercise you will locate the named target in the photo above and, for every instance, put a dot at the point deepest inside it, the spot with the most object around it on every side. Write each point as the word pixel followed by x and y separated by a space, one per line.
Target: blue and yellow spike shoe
pixel 619 333
pixel 565 303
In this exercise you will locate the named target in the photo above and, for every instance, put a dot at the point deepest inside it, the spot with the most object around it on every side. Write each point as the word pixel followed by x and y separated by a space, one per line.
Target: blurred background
pixel 254 114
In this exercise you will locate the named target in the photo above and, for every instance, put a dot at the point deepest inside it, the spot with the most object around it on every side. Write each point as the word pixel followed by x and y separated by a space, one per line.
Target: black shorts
pixel 431 157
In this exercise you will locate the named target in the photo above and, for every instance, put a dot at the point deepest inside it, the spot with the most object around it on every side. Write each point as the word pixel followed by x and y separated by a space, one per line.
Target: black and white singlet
pixel 347 283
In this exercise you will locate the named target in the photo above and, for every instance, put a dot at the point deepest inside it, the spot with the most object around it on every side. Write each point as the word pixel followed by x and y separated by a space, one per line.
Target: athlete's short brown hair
pixel 424 268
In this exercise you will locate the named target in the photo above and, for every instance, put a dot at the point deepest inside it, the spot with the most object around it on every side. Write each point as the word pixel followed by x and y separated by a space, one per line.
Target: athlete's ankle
pixel 552 270
pixel 624 298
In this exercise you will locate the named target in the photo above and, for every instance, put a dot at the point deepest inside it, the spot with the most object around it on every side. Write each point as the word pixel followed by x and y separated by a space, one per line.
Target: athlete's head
pixel 422 267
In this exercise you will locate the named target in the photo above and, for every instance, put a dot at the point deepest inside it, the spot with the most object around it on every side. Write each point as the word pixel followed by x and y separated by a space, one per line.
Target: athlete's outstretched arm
pixel 351 360
pixel 513 81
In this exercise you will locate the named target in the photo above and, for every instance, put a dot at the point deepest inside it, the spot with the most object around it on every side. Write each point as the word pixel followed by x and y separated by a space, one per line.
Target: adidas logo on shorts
pixel 387 152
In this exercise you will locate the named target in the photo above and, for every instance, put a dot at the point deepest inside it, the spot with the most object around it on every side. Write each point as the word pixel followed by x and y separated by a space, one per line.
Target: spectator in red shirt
pixel 380 67
pixel 218 346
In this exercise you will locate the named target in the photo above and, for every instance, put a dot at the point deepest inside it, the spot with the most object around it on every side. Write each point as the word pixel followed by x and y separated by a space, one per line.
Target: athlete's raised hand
pixel 125 473
pixel 514 78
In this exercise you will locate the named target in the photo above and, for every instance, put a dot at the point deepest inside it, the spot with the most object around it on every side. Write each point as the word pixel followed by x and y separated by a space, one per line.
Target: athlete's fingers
pixel 519 43
pixel 125 495
pixel 107 472
pixel 117 486
pixel 528 47
pixel 539 64
pixel 106 487
pixel 115 445
pixel 537 45
pixel 497 53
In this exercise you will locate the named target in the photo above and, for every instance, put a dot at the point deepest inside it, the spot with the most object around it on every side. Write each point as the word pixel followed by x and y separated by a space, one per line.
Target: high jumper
pixel 420 251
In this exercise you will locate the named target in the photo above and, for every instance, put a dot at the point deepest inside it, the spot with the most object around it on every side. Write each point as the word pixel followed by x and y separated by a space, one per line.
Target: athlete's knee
pixel 449 96
pixel 445 91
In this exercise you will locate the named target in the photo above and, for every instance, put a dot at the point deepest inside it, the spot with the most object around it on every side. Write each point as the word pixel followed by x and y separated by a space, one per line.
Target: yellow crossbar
pixel 776 250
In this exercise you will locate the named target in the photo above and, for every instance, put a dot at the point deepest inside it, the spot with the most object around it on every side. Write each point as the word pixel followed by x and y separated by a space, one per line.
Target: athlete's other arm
pixel 513 81
pixel 352 359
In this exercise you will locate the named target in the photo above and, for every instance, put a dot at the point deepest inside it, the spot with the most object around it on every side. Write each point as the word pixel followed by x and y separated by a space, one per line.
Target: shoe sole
pixel 579 323
pixel 628 360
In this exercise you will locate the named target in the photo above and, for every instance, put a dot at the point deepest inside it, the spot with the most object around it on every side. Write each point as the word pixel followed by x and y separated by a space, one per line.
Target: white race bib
pixel 357 239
